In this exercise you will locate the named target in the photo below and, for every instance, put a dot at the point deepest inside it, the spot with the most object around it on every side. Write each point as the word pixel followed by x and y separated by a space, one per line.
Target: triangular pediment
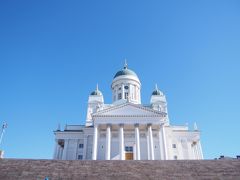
pixel 128 110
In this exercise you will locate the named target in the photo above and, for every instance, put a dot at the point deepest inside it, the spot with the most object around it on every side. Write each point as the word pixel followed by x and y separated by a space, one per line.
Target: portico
pixel 127 135
pixel 128 132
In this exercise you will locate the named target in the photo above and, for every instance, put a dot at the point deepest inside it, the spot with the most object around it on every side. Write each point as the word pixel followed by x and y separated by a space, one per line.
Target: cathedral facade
pixel 127 129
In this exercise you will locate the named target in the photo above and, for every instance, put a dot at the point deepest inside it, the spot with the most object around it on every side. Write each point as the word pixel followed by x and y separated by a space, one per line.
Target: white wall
pixel 182 138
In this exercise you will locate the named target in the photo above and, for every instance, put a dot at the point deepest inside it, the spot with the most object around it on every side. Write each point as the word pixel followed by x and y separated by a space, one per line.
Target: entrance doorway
pixel 128 153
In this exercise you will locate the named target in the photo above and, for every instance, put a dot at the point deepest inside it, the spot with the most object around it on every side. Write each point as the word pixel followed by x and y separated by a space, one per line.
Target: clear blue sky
pixel 52 54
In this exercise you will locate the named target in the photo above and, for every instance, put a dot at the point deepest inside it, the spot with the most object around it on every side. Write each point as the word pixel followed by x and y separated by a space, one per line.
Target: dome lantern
pixel 126 86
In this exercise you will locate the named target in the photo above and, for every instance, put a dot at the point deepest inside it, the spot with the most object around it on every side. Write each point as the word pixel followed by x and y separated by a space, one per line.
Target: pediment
pixel 128 110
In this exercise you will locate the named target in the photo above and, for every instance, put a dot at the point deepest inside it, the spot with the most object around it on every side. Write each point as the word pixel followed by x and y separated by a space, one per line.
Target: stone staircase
pixel 21 169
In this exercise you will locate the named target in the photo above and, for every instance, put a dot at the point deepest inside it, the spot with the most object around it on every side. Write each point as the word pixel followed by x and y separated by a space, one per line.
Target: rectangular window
pixel 129 149
pixel 126 95
pixel 80 157
pixel 80 146
pixel 174 146
pixel 175 157
pixel 119 96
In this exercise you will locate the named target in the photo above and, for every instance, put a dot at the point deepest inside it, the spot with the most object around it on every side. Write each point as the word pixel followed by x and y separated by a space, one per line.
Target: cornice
pixel 98 114
pixel 129 116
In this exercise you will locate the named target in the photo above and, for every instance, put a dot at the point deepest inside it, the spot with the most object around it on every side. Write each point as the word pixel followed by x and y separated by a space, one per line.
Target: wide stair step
pixel 21 169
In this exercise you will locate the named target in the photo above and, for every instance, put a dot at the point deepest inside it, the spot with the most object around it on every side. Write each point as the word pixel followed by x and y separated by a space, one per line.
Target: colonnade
pixel 150 142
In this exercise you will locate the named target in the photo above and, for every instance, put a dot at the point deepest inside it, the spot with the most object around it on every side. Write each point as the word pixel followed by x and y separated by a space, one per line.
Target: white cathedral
pixel 127 129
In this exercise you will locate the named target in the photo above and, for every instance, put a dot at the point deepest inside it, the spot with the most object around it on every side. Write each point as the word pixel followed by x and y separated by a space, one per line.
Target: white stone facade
pixel 126 129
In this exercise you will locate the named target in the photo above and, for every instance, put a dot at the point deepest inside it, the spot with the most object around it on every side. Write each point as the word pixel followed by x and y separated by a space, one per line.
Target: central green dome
pixel 125 71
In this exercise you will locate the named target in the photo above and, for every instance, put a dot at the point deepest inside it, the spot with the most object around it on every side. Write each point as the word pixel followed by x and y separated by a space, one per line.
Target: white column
pixel 121 143
pixel 123 94
pixel 108 143
pixel 85 147
pixel 180 149
pixel 165 152
pixel 195 151
pixel 60 153
pixel 64 156
pixel 137 141
pixel 151 141
pixel 148 146
pixel 95 143
pixel 198 154
pixel 161 144
pixel 200 149
pixel 189 150
pixel 129 92
pixel 55 154
pixel 135 93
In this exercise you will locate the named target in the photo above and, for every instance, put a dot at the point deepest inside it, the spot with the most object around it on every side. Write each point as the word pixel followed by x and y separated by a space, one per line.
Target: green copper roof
pixel 96 92
pixel 156 92
pixel 125 71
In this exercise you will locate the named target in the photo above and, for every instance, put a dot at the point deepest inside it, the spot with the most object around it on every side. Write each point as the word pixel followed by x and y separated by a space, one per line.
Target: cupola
pixel 126 86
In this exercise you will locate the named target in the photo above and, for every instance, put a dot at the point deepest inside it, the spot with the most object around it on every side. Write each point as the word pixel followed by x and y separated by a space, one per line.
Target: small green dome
pixel 96 93
pixel 156 92
pixel 125 71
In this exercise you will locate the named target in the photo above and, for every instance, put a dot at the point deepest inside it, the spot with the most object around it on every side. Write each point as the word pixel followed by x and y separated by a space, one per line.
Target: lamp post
pixel 4 126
